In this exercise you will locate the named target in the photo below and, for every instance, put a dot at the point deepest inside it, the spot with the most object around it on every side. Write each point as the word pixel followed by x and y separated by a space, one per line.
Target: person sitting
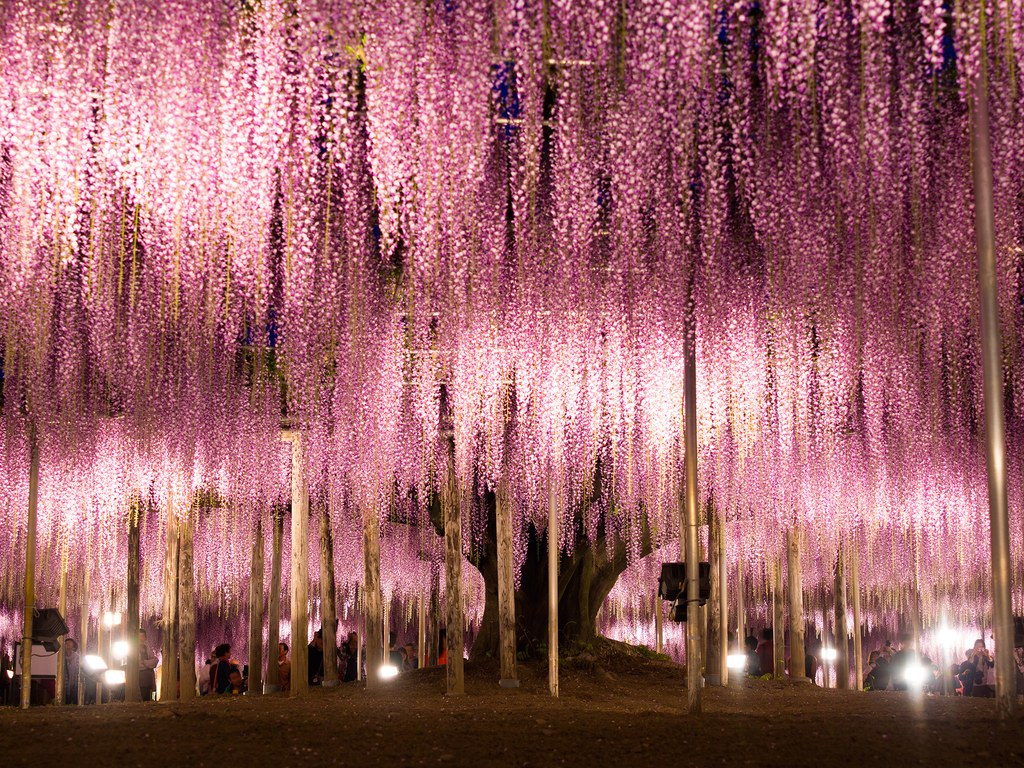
pixel 236 685
pixel 284 667
pixel 766 652
pixel 411 662
pixel 976 673
pixel 220 669
pixel 396 653
pixel 753 662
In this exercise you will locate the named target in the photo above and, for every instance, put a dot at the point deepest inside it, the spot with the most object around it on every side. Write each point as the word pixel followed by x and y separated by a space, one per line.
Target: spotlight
pixel 10 673
pixel 94 663
pixel 387 672
pixel 114 677
pixel 121 649
pixel 915 675
pixel 111 618
pixel 948 637
pixel 829 654
pixel 736 661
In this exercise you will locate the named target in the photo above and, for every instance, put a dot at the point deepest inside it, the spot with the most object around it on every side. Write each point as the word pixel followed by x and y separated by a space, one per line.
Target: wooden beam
pixel 858 650
pixel 797 661
pixel 553 551
pixel 30 567
pixel 83 622
pixel 169 620
pixel 132 691
pixel 506 588
pixel 61 683
pixel 328 603
pixel 300 572
pixel 421 634
pixel 274 604
pixel 778 622
pixel 255 685
pixel 694 662
pixel 723 604
pixel 186 612
pixel 373 609
pixel 452 506
pixel 842 632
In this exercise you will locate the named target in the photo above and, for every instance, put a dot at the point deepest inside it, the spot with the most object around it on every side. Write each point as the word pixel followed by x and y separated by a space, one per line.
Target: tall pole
pixel 169 622
pixel 723 604
pixel 186 611
pixel 300 571
pixel 778 622
pixel 372 601
pixel 452 504
pixel 132 692
pixel 328 602
pixel 553 551
pixel 693 633
pixel 797 660
pixel 713 637
pixel 61 683
pixel 858 650
pixel 421 632
pixel 506 588
pixel 256 612
pixel 741 615
pixel 842 631
pixel 83 624
pixel 274 604
pixel 992 349
pixel 30 567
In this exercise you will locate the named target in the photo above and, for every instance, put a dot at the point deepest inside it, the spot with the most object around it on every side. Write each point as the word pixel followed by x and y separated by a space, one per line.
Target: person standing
pixel 147 667
pixel 284 667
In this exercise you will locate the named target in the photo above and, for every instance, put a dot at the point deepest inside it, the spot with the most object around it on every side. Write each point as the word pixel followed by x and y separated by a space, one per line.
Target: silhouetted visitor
pixel 147 668
pixel 442 647
pixel 753 662
pixel 350 657
pixel 220 669
pixel 766 652
pixel 284 667
pixel 72 663
pixel 316 658
pixel 236 685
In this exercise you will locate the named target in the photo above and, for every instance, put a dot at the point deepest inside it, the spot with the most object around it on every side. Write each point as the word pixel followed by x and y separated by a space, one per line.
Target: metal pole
pixel 553 552
pixel 693 635
pixel 991 345
pixel 30 567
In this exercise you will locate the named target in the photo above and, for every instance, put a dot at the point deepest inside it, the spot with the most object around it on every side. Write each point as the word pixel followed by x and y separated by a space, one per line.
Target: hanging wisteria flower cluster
pixel 388 222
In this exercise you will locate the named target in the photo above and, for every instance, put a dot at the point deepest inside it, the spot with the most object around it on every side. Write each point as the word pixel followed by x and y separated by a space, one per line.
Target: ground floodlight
pixel 10 673
pixel 114 677
pixel 829 654
pixel 121 649
pixel 915 675
pixel 388 672
pixel 736 661
pixel 93 663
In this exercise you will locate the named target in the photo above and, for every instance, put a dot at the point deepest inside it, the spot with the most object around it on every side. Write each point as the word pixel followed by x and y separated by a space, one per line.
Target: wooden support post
pixel 714 631
pixel 61 683
pixel 858 650
pixel 169 622
pixel 553 552
pixel 992 379
pixel 132 691
pixel 421 634
pixel 274 604
pixel 328 601
pixel 506 588
pixel 797 657
pixel 83 624
pixel 373 608
pixel 741 611
pixel 694 666
pixel 300 572
pixel 256 613
pixel 30 567
pixel 658 624
pixel 723 605
pixel 361 642
pixel 452 507
pixel 186 612
pixel 842 633
pixel 434 620
pixel 778 622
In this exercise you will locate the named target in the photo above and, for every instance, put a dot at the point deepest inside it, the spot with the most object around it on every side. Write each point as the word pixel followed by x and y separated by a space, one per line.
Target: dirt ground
pixel 620 711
